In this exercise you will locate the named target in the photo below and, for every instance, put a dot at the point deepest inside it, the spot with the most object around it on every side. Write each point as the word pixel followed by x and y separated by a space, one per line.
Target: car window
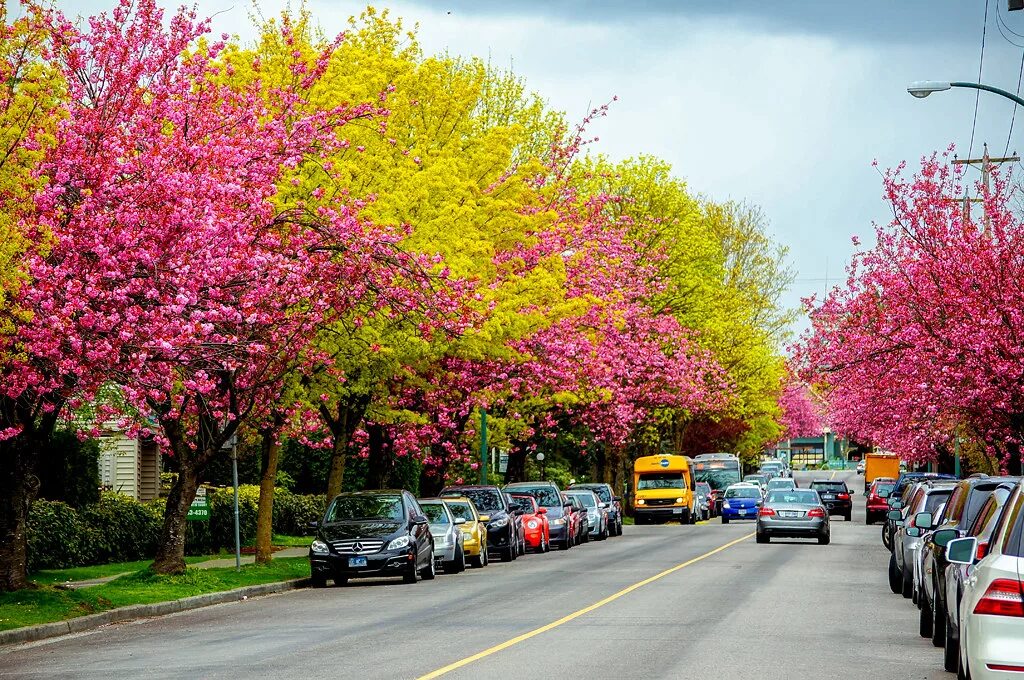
pixel 933 500
pixel 748 492
pixel 660 480
pixel 486 500
pixel 882 489
pixel 988 509
pixel 461 510
pixel 833 487
pixel 435 512
pixel 545 494
pixel 794 496
pixel 957 502
pixel 524 504
pixel 348 508
pixel 1014 519
pixel 586 498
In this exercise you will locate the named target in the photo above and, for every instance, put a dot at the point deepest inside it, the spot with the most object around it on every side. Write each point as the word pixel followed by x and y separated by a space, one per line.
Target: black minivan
pixel 372 533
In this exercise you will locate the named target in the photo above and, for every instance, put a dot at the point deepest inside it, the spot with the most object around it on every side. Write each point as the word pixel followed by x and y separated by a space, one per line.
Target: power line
pixel 1001 25
pixel 981 66
pixel 1009 134
pixel 1006 25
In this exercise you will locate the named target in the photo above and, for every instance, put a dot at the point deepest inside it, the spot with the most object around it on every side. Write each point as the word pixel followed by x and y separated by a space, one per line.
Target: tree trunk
pixel 170 552
pixel 378 463
pixel 342 426
pixel 270 453
pixel 18 488
pixel 516 470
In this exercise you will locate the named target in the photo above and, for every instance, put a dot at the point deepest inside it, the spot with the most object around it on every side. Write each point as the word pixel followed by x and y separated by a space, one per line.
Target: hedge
pixel 120 529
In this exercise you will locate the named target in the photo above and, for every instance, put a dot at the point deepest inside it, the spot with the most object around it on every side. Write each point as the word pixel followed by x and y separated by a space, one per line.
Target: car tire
pixel 824 540
pixel 725 520
pixel 762 538
pixel 926 620
pixel 429 572
pixel 907 589
pixel 413 574
pixel 341 581
pixel 951 652
pixel 894 575
pixel 849 516
pixel 963 671
pixel 318 581
pixel 886 538
pixel 938 623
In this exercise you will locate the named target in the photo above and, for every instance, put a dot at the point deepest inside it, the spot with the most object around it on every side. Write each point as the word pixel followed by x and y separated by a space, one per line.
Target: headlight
pixel 319 547
pixel 725 504
pixel 640 501
pixel 558 522
pixel 532 524
pixel 400 542
pixel 679 500
pixel 499 523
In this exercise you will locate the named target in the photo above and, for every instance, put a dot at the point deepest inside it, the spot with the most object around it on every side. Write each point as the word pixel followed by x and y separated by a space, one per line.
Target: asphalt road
pixel 726 608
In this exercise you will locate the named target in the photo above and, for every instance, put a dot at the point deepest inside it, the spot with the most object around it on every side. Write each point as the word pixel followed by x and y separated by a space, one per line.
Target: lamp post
pixel 923 88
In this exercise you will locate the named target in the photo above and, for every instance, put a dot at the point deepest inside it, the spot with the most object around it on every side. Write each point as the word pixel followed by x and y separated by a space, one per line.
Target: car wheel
pixel 413 575
pixel 461 559
pixel 341 581
pixel 762 538
pixel 318 581
pixel 824 540
pixel 951 653
pixel 908 583
pixel 429 572
pixel 849 516
pixel 725 520
pixel 925 625
pixel 886 539
pixel 894 575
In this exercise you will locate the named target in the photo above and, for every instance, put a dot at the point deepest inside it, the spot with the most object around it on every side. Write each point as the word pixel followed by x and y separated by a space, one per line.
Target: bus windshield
pixel 718 475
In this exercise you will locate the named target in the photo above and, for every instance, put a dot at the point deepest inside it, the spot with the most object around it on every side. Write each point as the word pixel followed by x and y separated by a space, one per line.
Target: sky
pixel 784 104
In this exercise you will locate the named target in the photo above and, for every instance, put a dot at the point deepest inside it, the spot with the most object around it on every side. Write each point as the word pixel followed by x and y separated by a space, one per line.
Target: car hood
pixel 337 531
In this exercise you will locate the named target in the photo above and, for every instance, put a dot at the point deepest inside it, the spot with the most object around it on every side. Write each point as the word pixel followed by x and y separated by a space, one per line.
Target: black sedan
pixel 372 533
pixel 835 496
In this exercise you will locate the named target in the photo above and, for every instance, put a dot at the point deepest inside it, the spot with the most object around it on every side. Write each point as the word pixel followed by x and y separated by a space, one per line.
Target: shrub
pixel 294 512
pixel 69 470
pixel 122 528
pixel 57 537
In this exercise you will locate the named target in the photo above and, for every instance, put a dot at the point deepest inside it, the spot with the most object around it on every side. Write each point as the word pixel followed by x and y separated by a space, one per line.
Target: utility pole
pixel 483 446
pixel 986 163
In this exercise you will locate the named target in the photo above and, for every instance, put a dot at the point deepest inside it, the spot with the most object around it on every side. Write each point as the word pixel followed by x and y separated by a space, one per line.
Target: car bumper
pixel 499 539
pixel 994 641
pixel 664 513
pixel 815 526
pixel 838 507
pixel 739 513
pixel 444 553
pixel 389 563
pixel 470 545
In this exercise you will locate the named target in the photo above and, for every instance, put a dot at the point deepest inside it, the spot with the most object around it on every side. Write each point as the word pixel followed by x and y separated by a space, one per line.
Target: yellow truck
pixel 663 489
pixel 880 464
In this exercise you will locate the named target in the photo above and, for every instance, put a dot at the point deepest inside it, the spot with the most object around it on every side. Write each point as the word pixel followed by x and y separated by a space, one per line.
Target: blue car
pixel 742 501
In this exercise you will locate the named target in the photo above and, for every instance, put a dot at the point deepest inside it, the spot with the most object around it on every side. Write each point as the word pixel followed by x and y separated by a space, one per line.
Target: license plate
pixel 789 513
pixel 357 561
pixel 743 512
pixel 677 511
pixel 828 496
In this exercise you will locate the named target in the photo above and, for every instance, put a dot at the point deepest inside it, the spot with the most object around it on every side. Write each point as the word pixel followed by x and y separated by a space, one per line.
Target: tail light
pixel 982 547
pixel 1004 597
pixel 766 512
pixel 844 496
pixel 816 512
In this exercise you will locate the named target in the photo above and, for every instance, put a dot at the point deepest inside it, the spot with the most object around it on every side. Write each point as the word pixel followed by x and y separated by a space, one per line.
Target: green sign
pixel 200 508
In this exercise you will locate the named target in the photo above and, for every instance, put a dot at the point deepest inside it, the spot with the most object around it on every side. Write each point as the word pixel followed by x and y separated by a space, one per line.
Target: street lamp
pixel 543 468
pixel 923 88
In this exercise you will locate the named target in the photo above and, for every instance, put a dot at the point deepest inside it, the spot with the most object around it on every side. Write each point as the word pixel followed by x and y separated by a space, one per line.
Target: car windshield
pixel 587 499
pixel 794 496
pixel 753 478
pixel 660 480
pixel 435 512
pixel 486 500
pixel 717 478
pixel 461 510
pixel 545 495
pixel 781 484
pixel 347 508
pixel 742 492
pixel 832 487
pixel 704 488
pixel 602 492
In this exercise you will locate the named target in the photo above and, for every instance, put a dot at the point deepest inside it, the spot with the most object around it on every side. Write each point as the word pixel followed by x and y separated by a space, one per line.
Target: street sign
pixel 502 462
pixel 200 508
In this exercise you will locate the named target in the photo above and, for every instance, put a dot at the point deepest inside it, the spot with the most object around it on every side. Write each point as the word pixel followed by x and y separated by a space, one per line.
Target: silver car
pixel 793 513
pixel 449 550
pixel 927 497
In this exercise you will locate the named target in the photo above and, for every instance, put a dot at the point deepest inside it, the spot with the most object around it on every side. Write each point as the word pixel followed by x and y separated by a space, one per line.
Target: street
pixel 791 609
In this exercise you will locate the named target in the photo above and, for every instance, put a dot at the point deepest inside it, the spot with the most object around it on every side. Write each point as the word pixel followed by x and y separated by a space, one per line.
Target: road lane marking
pixel 575 615
pixel 833 475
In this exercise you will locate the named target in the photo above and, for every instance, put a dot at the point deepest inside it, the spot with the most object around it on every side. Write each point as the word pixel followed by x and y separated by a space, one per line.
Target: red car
pixel 878 499
pixel 535 523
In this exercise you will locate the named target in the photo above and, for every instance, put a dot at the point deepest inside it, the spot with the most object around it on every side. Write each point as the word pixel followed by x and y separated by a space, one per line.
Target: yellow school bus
pixel 663 489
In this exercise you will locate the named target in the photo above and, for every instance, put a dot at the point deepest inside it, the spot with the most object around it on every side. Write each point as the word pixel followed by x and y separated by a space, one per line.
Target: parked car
pixel 372 533
pixel 549 497
pixel 992 606
pixel 705 490
pixel 945 630
pixel 741 501
pixel 449 553
pixel 535 523
pixel 793 513
pixel 836 497
pixel 474 539
pixel 860 468
pixel 918 516
pixel 491 502
pixel 518 523
pixel 702 506
pixel 876 504
pixel 597 513
pixel 581 529
pixel 961 510
pixel 614 503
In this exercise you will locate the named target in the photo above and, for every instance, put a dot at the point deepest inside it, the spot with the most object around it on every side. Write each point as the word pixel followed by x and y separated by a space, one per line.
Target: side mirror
pixel 542 511
pixel 459 520
pixel 942 537
pixel 485 518
pixel 419 519
pixel 962 550
pixel 914 532
pixel 313 525
pixel 567 506
pixel 896 505
pixel 894 515
pixel 923 520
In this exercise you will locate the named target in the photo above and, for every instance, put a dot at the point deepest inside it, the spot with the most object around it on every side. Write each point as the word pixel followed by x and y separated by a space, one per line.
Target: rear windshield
pixel 781 484
pixel 835 487
pixel 545 495
pixel 660 480
pixel 483 499
pixel 934 500
pixel 882 489
pixel 743 492
pixel 794 496
pixel 460 510
pixel 435 512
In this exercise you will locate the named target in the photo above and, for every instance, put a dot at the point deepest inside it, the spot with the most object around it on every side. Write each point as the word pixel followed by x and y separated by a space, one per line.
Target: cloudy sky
pixel 783 103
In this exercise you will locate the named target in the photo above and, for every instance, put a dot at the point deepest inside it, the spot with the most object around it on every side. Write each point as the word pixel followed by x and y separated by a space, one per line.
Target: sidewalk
pixel 208 564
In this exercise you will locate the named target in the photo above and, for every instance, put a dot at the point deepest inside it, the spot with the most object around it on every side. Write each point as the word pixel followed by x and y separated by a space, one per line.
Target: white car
pixel 860 468
pixel 992 606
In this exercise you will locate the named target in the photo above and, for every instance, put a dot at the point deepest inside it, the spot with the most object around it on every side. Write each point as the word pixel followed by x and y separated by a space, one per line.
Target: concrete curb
pixel 142 611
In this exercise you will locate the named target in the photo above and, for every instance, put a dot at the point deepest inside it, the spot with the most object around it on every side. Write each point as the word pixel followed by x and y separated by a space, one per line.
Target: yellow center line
pixel 575 615
pixel 833 474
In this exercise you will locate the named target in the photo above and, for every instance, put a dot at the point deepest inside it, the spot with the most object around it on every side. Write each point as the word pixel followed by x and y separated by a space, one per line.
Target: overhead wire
pixel 981 66
pixel 1006 25
pixel 1013 115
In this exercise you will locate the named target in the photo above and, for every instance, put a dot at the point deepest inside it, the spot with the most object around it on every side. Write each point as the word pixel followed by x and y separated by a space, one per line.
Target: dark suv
pixel 490 502
pixel 372 533
pixel 613 502
pixel 548 496
pixel 835 496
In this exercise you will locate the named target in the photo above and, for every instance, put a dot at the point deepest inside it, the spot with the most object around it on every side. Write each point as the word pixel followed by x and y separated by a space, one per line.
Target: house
pixel 129 465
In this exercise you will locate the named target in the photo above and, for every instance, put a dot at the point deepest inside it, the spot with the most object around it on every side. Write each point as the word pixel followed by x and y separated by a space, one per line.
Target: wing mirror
pixel 923 520
pixel 962 550
pixel 894 515
pixel 460 520
pixel 419 519
pixel 914 532
pixel 542 511
pixel 942 537
pixel 485 518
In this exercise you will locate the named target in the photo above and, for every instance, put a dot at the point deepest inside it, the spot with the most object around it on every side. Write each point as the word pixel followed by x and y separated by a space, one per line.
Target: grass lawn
pixel 292 541
pixel 52 576
pixel 628 520
pixel 46 603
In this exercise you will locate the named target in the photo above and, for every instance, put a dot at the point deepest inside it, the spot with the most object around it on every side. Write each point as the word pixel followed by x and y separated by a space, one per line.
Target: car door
pixel 420 531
